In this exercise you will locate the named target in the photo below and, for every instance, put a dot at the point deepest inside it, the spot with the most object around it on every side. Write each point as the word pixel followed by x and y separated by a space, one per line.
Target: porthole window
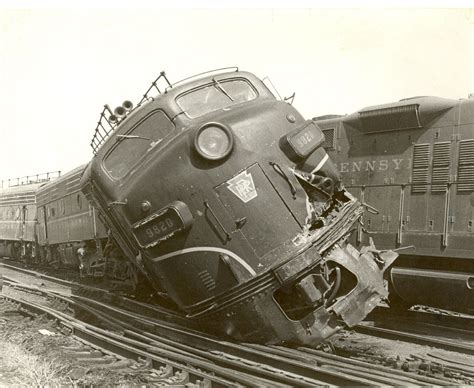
pixel 62 207
pixel 17 214
pixel 53 212
pixel 79 201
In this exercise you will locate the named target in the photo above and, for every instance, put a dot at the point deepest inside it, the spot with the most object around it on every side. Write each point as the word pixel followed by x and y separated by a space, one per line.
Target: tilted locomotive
pixel 50 222
pixel 224 197
pixel 413 160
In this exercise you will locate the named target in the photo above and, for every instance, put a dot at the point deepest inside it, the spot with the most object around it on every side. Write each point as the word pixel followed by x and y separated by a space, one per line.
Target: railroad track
pixel 150 329
pixel 454 332
pixel 175 370
pixel 264 365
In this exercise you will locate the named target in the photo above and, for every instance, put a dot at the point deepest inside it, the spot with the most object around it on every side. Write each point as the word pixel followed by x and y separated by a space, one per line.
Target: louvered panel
pixel 439 179
pixel 419 180
pixel 421 155
pixel 466 178
pixel 441 154
pixel 466 152
pixel 421 163
pixel 329 136
pixel 466 166
pixel 441 162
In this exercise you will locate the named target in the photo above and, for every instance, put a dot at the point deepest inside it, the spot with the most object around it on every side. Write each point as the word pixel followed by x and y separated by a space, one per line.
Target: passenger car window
pixel 136 142
pixel 215 96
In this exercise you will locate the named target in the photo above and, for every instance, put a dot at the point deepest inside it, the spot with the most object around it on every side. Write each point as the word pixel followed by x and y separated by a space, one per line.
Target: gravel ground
pixel 31 358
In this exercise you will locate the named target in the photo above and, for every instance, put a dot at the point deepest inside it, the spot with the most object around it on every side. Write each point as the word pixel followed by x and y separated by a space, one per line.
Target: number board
pixel 306 140
pixel 161 225
pixel 302 141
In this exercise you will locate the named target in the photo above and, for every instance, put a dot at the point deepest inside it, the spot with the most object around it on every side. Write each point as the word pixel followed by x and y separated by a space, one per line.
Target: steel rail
pixel 278 357
pixel 114 343
pixel 375 369
pixel 105 294
pixel 229 360
pixel 271 376
pixel 173 336
pixel 414 338
pixel 447 319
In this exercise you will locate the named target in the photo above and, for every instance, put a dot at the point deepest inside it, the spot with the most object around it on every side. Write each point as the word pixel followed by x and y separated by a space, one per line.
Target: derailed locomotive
pixel 224 197
pixel 413 161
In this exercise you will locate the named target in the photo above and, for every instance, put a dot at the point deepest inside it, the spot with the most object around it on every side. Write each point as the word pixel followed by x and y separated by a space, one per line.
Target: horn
pixel 120 111
pixel 127 105
pixel 113 119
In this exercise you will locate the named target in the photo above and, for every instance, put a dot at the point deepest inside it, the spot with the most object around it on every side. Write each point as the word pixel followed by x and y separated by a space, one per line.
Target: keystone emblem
pixel 242 186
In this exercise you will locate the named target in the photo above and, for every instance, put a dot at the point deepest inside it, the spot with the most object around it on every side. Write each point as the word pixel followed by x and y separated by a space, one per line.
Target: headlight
pixel 213 141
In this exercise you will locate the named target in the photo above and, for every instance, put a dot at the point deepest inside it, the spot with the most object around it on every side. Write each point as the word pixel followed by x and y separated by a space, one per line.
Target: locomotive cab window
pixel 215 96
pixel 136 143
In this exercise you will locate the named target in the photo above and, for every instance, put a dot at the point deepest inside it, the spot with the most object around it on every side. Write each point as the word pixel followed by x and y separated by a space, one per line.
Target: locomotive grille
pixel 207 280
pixel 440 173
pixel 18 199
pixel 330 138
pixel 421 163
pixel 393 118
pixel 466 166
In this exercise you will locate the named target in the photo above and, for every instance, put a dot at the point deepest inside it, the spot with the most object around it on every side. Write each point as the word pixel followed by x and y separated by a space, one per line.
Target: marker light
pixel 213 141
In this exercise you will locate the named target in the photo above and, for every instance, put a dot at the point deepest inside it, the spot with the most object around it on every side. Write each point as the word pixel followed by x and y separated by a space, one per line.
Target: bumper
pixel 259 317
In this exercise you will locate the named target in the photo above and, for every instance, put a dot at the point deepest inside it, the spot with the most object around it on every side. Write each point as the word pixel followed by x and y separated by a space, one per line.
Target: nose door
pixel 258 210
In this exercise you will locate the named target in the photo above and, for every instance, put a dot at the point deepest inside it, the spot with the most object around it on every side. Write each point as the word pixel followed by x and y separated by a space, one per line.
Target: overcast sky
pixel 59 67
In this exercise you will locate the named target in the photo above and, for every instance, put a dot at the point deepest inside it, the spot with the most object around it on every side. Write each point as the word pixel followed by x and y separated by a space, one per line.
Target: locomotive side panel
pixel 425 170
pixel 423 149
pixel 65 215
pixel 18 220
pixel 66 221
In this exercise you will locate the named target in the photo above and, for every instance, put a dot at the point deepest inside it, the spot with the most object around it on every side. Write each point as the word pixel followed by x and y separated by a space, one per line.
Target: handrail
pixel 104 127
pixel 30 179
pixel 108 121
pixel 154 84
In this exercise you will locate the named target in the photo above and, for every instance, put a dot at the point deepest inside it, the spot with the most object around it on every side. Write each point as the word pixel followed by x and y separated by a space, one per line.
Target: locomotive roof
pixel 66 184
pixel 166 101
pixel 19 194
pixel 183 86
pixel 413 112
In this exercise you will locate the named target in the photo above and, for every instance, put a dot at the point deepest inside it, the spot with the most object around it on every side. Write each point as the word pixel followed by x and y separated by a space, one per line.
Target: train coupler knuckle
pixel 312 288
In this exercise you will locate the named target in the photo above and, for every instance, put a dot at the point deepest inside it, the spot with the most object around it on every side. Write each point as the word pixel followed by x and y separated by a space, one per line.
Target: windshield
pixel 215 96
pixel 135 143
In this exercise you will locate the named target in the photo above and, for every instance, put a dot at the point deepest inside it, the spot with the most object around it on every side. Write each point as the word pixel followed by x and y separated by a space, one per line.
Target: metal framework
pixel 108 120
pixel 30 179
